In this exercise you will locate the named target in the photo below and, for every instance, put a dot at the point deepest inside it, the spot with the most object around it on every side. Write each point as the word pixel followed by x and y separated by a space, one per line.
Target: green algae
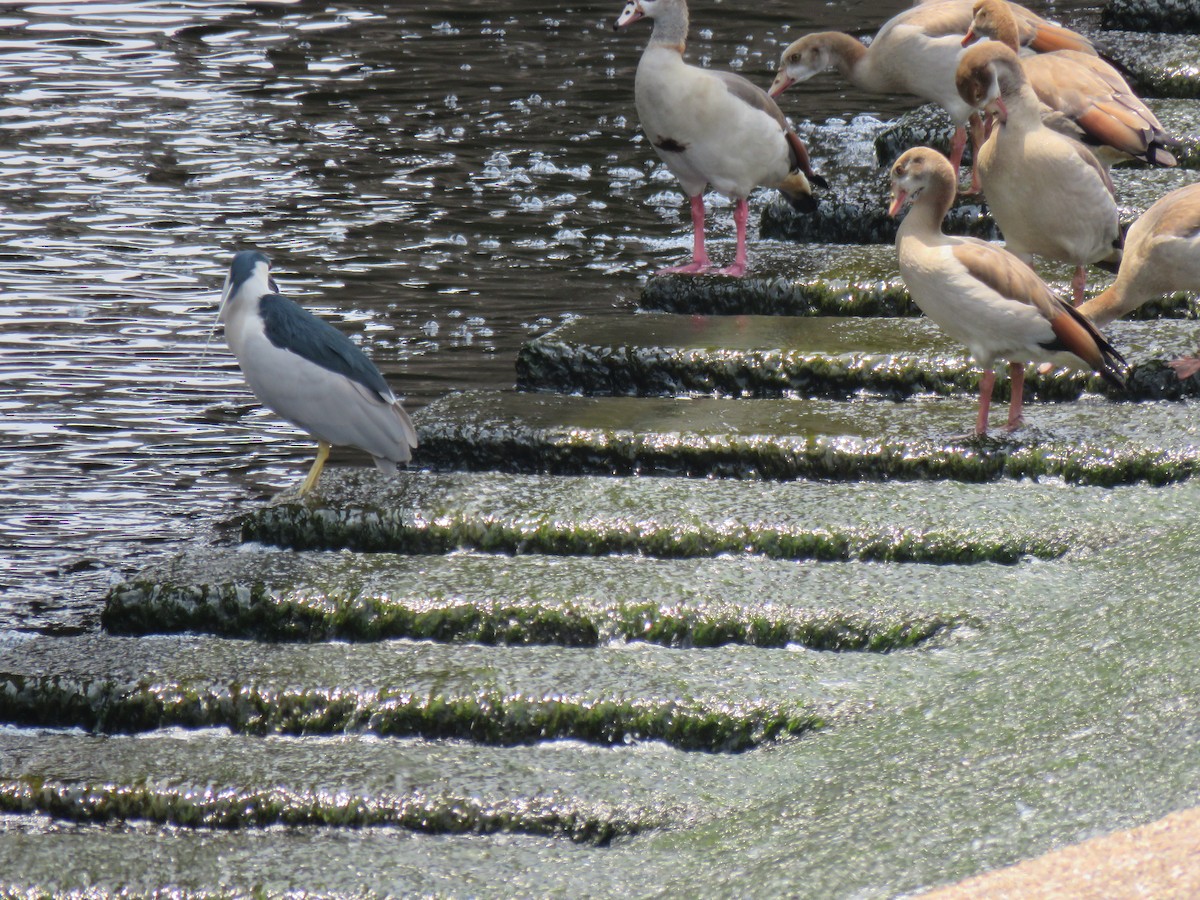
pixel 793 439
pixel 237 610
pixel 1160 65
pixel 1174 16
pixel 856 212
pixel 677 518
pixel 210 806
pixel 487 717
pixel 253 611
pixel 863 279
pixel 660 354
pixel 305 527
pixel 1181 119
pixel 819 280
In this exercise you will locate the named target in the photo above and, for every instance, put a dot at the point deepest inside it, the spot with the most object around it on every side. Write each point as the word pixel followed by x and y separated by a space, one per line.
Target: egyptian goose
pixel 981 294
pixel 712 128
pixel 1084 96
pixel 1162 254
pixel 1047 192
pixel 915 52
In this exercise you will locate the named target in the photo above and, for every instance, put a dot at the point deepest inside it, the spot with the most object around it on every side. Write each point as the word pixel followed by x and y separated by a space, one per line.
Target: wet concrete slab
pixel 274 595
pixel 1093 442
pixel 1159 64
pixel 399 689
pixel 836 357
pixel 687 518
pixel 1173 16
pixel 841 280
pixel 855 211
pixel 930 126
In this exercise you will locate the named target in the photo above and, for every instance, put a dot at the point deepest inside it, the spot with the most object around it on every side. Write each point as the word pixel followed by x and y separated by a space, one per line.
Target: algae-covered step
pixel 210 778
pixel 1091 441
pixel 856 212
pixel 485 694
pixel 1181 120
pixel 931 126
pixel 926 522
pixel 824 356
pixel 854 280
pixel 1158 64
pixel 816 280
pixel 1151 15
pixel 572 601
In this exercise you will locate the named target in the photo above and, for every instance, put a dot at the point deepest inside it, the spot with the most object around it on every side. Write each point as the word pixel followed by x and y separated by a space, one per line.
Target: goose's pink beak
pixel 782 82
pixel 630 14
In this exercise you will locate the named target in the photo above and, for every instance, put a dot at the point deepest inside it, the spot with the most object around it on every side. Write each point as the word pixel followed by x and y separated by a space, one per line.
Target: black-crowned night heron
pixel 310 373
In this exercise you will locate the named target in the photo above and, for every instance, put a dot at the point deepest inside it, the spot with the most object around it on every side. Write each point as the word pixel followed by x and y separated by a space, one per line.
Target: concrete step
pixel 485 694
pixel 1158 64
pixel 212 779
pixel 930 126
pixel 672 518
pixel 770 356
pixel 1092 442
pixel 840 280
pixel 278 595
pixel 855 211
pixel 1174 16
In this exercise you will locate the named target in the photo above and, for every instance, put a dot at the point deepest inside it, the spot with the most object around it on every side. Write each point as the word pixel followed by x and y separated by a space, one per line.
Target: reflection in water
pixel 448 182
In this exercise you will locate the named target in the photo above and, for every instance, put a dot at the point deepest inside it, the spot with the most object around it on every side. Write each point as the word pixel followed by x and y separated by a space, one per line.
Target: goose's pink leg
pixel 985 400
pixel 978 135
pixel 741 213
pixel 699 261
pixel 1077 283
pixel 1016 375
pixel 1185 366
pixel 958 144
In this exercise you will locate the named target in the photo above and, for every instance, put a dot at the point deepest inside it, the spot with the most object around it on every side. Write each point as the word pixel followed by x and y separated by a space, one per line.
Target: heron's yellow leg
pixel 315 472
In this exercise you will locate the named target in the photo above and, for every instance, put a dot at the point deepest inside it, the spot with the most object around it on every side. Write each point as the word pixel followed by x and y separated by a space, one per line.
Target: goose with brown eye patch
pixel 309 373
pixel 1082 95
pixel 982 295
pixel 712 129
pixel 1048 193
pixel 915 52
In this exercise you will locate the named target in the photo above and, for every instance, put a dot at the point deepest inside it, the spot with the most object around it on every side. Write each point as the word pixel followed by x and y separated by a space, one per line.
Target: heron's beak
pixel 782 82
pixel 630 14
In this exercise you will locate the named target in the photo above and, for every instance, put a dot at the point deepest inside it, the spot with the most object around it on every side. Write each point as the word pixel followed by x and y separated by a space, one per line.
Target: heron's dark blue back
pixel 291 327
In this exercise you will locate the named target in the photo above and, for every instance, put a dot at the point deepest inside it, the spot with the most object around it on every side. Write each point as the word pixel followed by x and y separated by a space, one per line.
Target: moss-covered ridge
pixel 863 279
pixel 254 610
pixel 671 518
pixel 1160 64
pixel 791 439
pixel 488 717
pixel 312 526
pixel 211 806
pixel 815 280
pixel 659 354
pixel 1151 15
pixel 762 356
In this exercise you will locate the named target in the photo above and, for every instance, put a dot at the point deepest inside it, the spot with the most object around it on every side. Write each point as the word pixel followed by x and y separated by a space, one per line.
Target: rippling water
pixel 442 184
